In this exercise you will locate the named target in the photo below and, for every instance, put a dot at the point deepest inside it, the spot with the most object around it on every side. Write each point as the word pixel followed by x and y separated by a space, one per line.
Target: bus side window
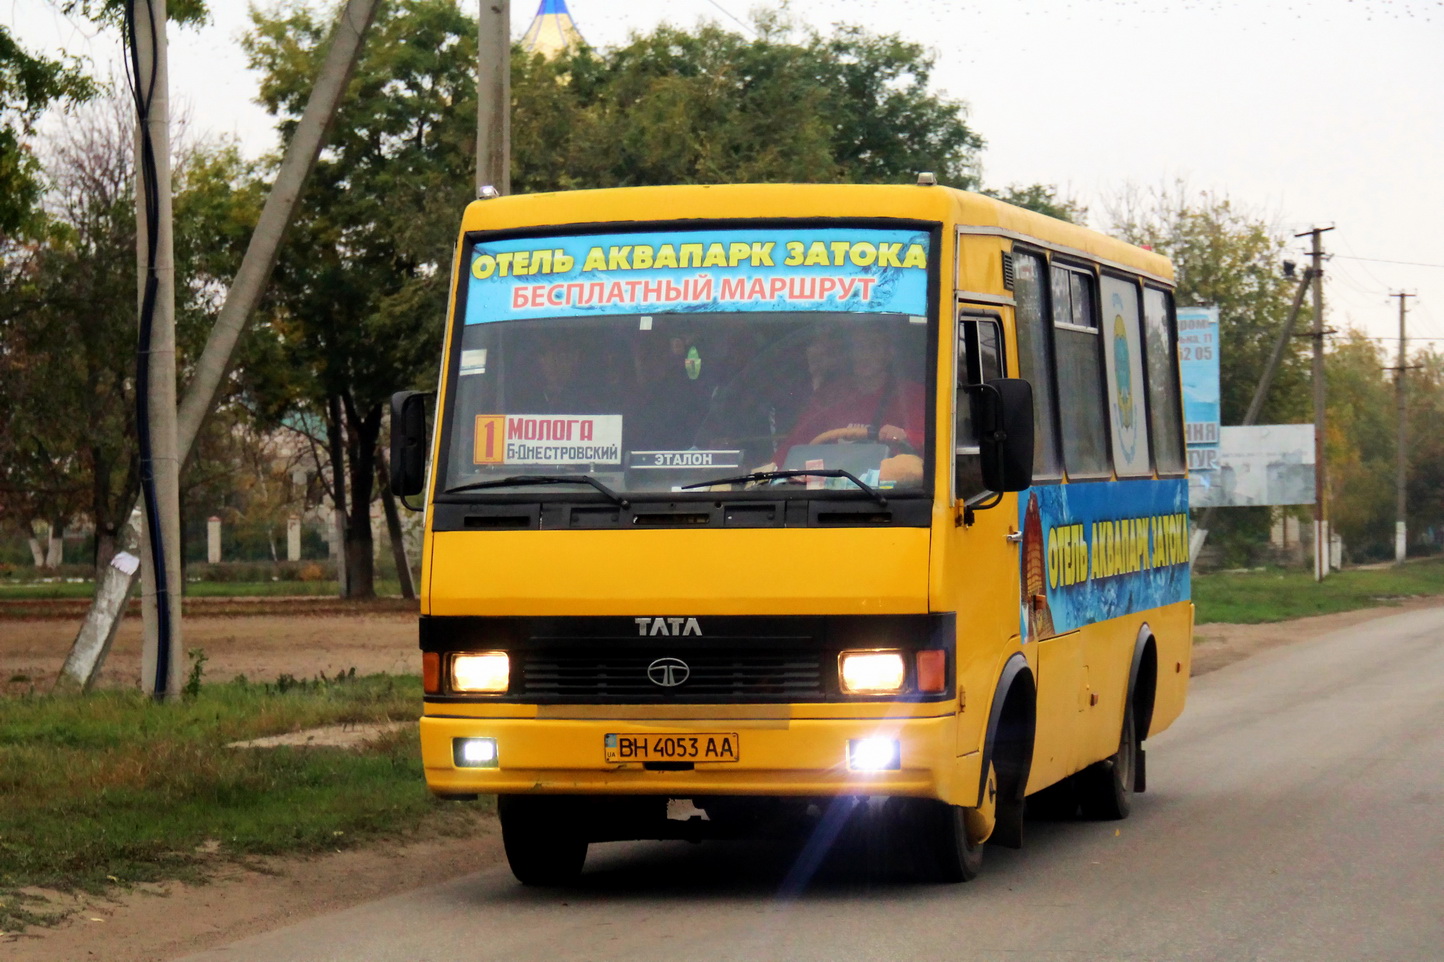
pixel 980 359
pixel 1035 359
pixel 1080 374
pixel 1160 338
pixel 1123 362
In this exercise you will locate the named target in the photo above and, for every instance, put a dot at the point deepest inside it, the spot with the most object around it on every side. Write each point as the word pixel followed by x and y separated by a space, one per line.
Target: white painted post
pixel 88 653
pixel 213 539
pixel 293 538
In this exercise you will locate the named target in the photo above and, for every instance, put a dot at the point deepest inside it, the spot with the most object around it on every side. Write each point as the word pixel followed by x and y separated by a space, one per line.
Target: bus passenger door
pixel 980 560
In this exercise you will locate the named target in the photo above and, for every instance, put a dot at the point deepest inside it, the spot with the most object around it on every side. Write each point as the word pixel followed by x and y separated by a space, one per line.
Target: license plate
pixel 697 747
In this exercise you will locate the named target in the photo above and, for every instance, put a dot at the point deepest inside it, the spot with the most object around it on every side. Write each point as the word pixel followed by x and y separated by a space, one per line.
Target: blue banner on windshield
pixel 855 270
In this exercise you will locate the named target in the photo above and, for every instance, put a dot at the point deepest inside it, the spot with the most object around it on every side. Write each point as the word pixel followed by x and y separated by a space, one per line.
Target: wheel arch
pixel 1012 724
pixel 1143 680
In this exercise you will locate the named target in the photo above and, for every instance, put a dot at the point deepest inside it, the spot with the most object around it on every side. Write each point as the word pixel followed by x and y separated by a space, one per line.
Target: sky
pixel 1324 113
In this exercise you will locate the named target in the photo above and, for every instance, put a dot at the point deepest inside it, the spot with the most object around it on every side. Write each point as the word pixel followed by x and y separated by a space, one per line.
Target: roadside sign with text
pixel 1198 351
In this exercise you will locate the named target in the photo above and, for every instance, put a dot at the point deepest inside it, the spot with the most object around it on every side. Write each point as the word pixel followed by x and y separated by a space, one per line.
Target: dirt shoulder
pixel 261 639
pixel 161 922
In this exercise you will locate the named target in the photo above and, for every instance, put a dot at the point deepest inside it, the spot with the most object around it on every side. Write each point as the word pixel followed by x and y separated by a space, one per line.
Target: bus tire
pixel 949 853
pixel 1105 789
pixel 541 847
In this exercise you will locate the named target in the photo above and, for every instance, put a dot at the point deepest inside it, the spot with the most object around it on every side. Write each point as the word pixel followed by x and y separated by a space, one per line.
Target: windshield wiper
pixel 520 480
pixel 872 492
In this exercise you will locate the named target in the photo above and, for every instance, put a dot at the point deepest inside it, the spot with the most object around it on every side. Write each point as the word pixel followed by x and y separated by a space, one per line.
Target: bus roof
pixel 745 201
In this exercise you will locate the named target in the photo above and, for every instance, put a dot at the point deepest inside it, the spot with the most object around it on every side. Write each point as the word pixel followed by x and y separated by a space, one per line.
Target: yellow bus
pixel 784 500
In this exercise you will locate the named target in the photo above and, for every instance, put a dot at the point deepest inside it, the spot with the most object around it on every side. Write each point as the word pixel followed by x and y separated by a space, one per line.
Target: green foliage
pixel 192 688
pixel 1360 436
pixel 111 787
pixel 68 444
pixel 1226 257
pixel 359 293
pixel 1044 199
pixel 1425 406
pixel 28 84
pixel 112 12
pixel 1267 595
pixel 711 106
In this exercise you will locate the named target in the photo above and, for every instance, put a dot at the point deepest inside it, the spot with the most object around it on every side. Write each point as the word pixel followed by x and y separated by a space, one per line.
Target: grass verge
pixel 110 788
pixel 1254 597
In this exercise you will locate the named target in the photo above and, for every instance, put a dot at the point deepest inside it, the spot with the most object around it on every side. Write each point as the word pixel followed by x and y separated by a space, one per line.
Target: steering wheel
pixel 859 432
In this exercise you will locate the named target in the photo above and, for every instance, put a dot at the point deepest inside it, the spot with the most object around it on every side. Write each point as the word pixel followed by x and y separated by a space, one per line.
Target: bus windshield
pixel 655 402
pixel 648 361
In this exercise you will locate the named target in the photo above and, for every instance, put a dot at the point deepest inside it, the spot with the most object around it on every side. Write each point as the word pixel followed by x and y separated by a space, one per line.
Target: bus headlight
pixel 871 672
pixel 487 672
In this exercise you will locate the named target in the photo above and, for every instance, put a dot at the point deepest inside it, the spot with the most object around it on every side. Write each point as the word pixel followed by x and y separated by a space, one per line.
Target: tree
pixel 1425 492
pixel 1360 446
pixel 712 106
pixel 1044 199
pixel 69 358
pixel 360 289
pixel 1227 257
pixel 28 84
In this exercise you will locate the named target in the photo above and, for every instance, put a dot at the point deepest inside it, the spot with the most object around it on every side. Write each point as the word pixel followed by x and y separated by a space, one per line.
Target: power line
pixel 1383 260
pixel 732 16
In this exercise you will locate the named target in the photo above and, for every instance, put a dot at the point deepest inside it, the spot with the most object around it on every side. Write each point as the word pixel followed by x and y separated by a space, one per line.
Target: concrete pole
pixel 88 655
pixel 493 96
pixel 293 538
pixel 1322 537
pixel 162 652
pixel 1401 528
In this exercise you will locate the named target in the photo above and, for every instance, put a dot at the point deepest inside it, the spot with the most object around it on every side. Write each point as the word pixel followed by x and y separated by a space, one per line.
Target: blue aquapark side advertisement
pixel 834 269
pixel 1094 551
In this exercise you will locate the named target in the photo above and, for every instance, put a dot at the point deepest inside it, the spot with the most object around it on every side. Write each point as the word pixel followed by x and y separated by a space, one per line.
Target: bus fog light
pixel 474 752
pixel 871 672
pixel 874 755
pixel 487 672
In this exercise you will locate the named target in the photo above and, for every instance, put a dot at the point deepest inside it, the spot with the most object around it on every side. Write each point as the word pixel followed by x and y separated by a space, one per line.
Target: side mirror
pixel 1005 433
pixel 408 443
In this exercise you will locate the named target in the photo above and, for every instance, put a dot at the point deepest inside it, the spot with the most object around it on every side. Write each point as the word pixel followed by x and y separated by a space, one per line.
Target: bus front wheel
pixel 1105 789
pixel 950 837
pixel 539 833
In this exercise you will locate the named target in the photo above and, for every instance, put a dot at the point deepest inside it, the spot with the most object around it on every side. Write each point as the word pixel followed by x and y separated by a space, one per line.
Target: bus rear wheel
pixel 1105 789
pixel 539 833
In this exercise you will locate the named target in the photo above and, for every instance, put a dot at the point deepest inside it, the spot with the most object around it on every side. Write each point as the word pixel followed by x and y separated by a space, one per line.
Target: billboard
pixel 1266 464
pixel 1198 364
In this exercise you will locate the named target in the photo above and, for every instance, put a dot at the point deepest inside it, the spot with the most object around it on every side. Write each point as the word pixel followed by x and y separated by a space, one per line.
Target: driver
pixel 870 403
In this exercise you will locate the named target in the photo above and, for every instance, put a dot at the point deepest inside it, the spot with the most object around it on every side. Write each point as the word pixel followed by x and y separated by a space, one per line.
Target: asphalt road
pixel 1295 812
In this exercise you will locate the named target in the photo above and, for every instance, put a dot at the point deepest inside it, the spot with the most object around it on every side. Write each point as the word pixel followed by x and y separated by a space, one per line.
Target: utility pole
pixel 1321 525
pixel 1401 533
pixel 92 644
pixel 493 97
pixel 162 651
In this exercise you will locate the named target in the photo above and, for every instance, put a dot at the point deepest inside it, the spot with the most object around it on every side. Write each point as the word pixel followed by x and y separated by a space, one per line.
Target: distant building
pixel 552 31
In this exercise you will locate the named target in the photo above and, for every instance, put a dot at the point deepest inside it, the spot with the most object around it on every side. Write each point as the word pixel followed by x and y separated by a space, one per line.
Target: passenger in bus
pixel 560 383
pixel 675 378
pixel 811 377
pixel 870 404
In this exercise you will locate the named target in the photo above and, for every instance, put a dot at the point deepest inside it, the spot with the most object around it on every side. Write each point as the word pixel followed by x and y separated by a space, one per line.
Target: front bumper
pixel 780 757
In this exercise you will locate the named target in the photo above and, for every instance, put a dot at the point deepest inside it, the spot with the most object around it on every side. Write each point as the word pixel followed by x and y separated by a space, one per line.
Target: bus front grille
pixel 619 676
